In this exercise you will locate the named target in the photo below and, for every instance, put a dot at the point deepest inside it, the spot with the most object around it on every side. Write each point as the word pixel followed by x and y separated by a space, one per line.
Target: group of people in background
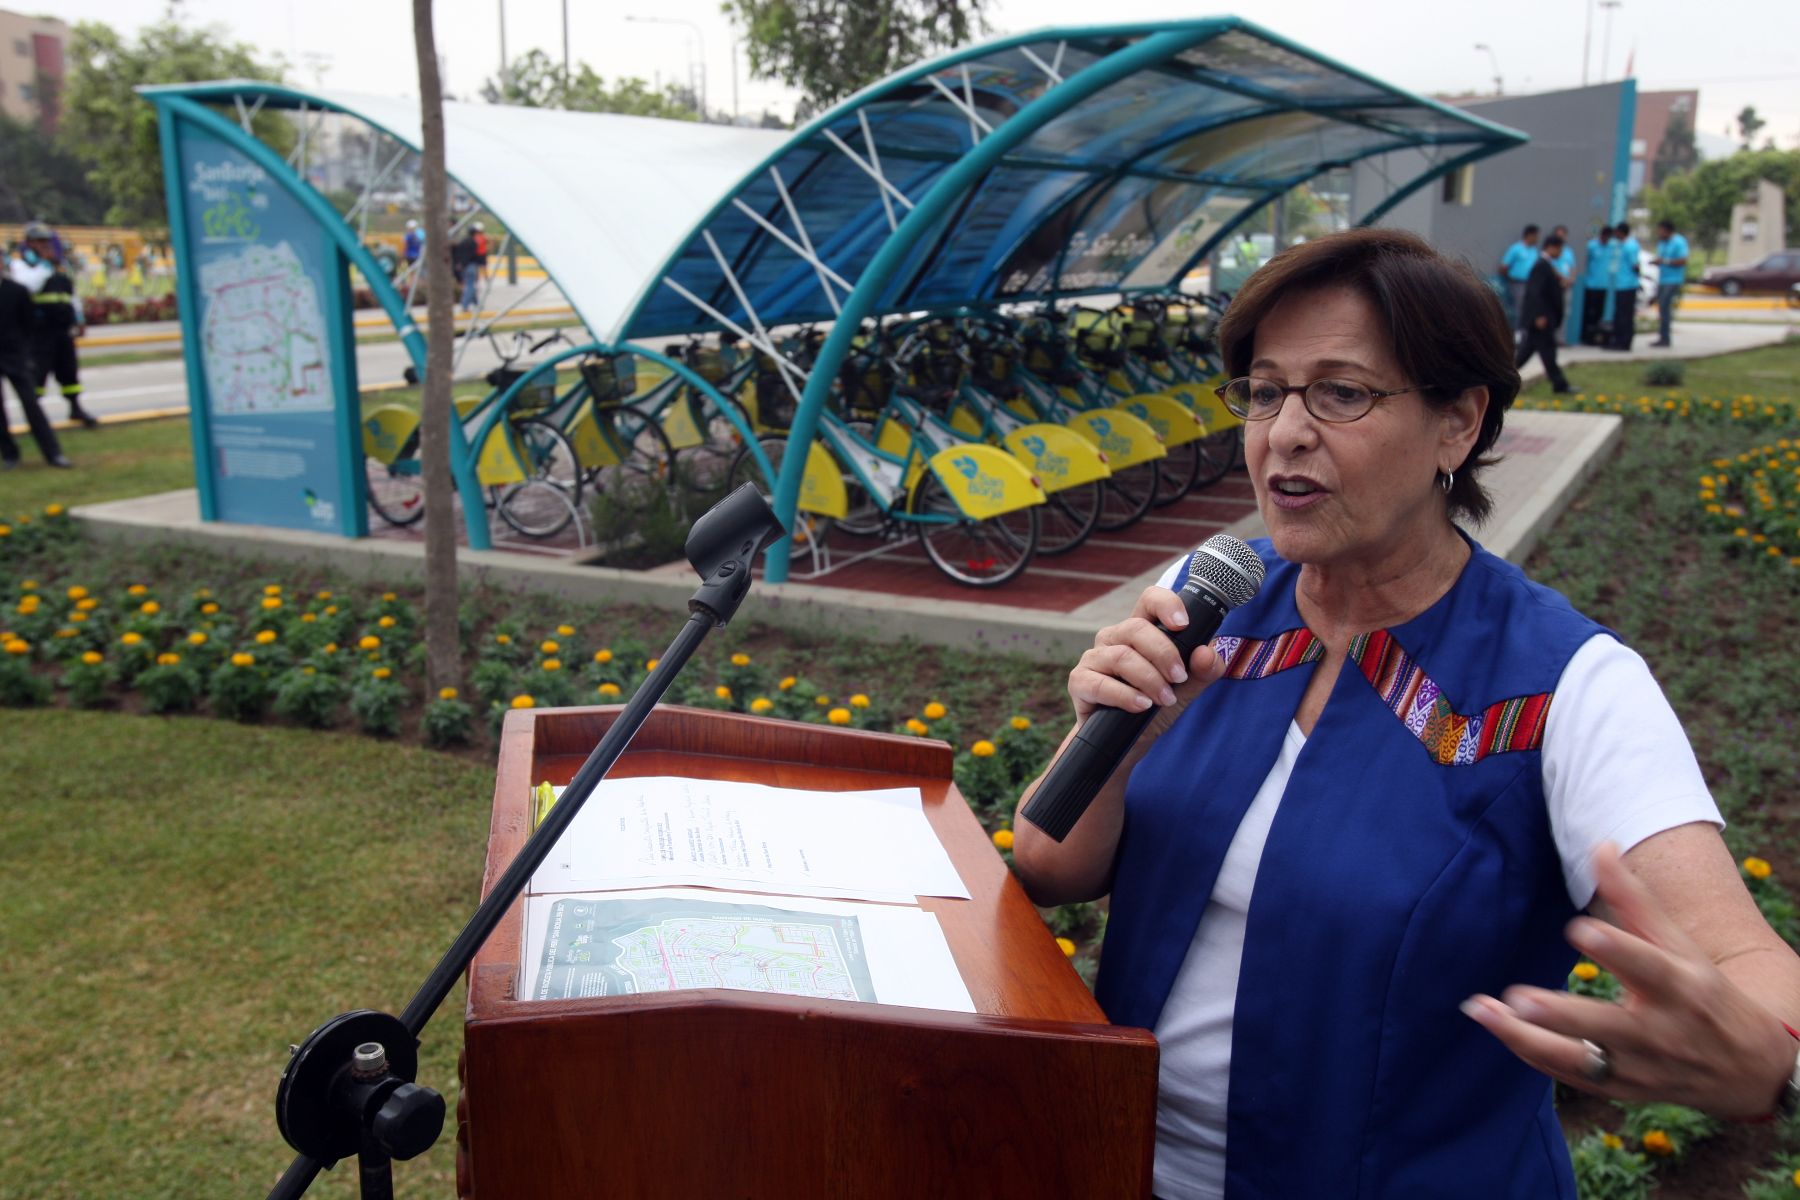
pixel 40 322
pixel 1539 277
pixel 468 259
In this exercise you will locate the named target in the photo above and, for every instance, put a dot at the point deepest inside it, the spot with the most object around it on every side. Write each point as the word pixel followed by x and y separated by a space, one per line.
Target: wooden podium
pixel 715 1094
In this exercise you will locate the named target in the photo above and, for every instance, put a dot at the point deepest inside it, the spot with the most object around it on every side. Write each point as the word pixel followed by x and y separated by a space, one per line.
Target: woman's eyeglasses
pixel 1334 400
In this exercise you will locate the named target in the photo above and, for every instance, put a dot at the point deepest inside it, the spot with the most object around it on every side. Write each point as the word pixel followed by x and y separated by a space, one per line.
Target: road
pixel 135 387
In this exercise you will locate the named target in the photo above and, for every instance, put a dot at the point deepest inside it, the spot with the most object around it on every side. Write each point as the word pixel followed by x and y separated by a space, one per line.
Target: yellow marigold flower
pixel 136 589
pixel 1003 838
pixel 271 602
pixel 17 646
pixel 308 618
pixel 149 608
pixel 503 639
pixel 1714 509
pixel 549 647
pixel 566 630
pixel 5 530
pixel 265 636
pixel 132 639
pixel 202 593
pixel 787 684
pixel 722 692
pixel 386 622
pixel 935 711
pixel 388 597
pixel 1021 723
pixel 982 749
pixel 740 659
pixel 331 647
pixel 608 689
pixel 523 701
pixel 603 655
pixel 78 616
pixel 761 704
pixel 822 701
pixel 29 585
pixel 368 641
pixel 196 638
pixel 331 610
pixel 321 595
pixel 1757 868
pixel 1587 972
pixel 243 659
pixel 93 658
pixel 447 693
pixel 28 605
pixel 167 659
pixel 382 672
pixel 53 510
pixel 1657 1142
pixel 552 664
pixel 650 664
pixel 77 592
pixel 838 716
pixel 1612 1141
pixel 66 632
pixel 1797 1179
pixel 309 670
pixel 859 701
pixel 1740 531
pixel 209 608
pixel 1066 946
pixel 914 725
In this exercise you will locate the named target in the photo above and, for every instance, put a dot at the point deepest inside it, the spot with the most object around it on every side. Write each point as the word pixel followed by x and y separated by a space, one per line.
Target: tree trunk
pixel 443 658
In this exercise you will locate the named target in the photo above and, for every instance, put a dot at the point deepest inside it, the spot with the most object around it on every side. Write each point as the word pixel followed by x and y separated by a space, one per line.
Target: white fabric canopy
pixel 601 199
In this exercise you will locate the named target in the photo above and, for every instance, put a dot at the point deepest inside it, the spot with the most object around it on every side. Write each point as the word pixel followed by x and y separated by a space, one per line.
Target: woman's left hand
pixel 1682 1032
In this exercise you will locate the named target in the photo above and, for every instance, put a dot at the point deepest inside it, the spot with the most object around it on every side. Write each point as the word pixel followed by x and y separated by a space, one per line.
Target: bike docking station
pixel 350 1088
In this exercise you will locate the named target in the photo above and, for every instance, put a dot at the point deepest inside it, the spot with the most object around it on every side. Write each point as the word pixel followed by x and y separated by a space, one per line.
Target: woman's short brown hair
pixel 1445 326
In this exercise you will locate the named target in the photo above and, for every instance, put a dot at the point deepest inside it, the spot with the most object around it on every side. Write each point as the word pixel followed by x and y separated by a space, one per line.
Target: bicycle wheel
pixel 549 455
pixel 1218 454
pixel 811 526
pixel 1129 495
pixel 1176 473
pixel 983 553
pixel 396 492
pixel 1069 516
pixel 704 469
pixel 862 518
pixel 537 508
pixel 646 467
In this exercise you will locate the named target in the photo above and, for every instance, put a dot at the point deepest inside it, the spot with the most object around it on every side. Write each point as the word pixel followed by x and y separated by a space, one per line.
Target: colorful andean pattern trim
pixel 1449 737
pixel 1252 658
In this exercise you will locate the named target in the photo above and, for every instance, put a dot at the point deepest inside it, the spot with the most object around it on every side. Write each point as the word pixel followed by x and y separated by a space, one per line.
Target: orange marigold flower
pixel 761 704
pixel 1003 838
pixel 523 701
pixel 1659 1143
pixel 740 659
pixel 838 716
pixel 368 641
pixel 982 749
pixel 935 711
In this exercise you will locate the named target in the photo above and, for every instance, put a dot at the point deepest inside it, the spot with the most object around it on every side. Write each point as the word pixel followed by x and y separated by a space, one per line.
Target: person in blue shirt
pixel 1624 287
pixel 1596 284
pixel 1515 268
pixel 415 242
pixel 1671 272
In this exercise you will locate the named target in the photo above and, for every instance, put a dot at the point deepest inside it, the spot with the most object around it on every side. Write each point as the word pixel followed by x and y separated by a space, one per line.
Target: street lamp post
pixel 1606 37
pixel 699 40
pixel 1499 88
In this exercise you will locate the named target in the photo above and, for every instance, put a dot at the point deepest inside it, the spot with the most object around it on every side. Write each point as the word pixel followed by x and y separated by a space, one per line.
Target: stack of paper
pixel 609 913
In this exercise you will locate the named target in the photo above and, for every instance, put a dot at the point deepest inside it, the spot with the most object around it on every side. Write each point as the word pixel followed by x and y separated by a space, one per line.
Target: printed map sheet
pixel 671 939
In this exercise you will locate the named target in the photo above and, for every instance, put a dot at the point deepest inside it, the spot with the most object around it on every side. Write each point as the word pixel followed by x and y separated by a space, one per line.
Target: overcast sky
pixel 1736 52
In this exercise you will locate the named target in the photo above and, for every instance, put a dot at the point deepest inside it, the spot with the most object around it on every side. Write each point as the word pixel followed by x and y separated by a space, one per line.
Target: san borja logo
pixel 1045 462
pixel 1112 443
pixel 980 482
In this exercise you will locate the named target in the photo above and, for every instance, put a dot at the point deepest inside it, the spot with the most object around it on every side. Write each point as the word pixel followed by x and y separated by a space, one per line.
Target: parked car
pixel 1776 273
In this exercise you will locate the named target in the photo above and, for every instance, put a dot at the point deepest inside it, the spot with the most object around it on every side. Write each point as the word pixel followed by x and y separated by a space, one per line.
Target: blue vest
pixel 1410 864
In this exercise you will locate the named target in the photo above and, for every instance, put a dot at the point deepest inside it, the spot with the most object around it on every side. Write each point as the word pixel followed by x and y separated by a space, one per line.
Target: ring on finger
pixel 1597 1065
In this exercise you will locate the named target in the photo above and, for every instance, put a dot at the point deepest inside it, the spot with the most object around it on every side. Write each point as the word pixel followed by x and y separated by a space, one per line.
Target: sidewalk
pixel 1692 339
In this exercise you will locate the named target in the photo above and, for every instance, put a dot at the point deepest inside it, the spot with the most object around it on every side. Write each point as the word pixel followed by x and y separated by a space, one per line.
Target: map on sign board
pixel 263 333
pixel 606 947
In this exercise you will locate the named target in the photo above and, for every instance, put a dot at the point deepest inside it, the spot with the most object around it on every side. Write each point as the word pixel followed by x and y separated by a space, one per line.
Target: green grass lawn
pixel 1767 371
pixel 134 458
pixel 179 900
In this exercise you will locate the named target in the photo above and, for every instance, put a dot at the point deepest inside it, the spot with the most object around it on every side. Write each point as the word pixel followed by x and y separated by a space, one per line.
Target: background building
pixel 1662 138
pixel 31 67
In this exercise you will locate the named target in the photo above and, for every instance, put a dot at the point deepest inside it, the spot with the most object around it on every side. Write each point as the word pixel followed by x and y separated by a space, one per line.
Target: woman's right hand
pixel 1134 665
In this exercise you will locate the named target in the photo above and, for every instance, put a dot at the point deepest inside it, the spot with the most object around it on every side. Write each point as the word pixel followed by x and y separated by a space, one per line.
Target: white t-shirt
pixel 1617 767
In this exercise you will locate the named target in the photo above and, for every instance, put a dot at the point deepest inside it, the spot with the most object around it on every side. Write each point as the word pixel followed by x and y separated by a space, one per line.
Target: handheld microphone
pixel 1222 574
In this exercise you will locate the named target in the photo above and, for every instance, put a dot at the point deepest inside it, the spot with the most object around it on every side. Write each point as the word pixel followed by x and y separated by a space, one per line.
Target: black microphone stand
pixel 348 1089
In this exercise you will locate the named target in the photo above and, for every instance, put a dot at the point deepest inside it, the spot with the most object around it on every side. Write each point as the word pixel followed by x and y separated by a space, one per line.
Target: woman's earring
pixel 1447 480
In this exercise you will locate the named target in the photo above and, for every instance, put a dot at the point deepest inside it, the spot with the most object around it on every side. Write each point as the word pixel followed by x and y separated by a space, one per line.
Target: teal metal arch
pixel 173 107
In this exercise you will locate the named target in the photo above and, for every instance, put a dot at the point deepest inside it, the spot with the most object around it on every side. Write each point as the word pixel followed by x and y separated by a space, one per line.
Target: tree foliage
pixel 1700 201
pixel 40 178
pixel 114 129
pixel 535 81
pixel 1749 124
pixel 830 48
pixel 1676 154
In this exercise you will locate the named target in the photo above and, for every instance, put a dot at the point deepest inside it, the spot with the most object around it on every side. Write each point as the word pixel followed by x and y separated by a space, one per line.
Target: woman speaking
pixel 1347 858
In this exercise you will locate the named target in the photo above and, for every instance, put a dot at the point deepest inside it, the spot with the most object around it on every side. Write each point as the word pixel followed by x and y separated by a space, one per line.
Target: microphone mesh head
pixel 1229 567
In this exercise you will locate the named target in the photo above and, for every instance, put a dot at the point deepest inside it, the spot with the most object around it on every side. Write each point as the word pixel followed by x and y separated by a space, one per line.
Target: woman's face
pixel 1352 493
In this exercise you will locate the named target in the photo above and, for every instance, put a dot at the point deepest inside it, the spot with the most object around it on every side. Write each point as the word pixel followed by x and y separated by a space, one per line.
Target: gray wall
pixel 1562 176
